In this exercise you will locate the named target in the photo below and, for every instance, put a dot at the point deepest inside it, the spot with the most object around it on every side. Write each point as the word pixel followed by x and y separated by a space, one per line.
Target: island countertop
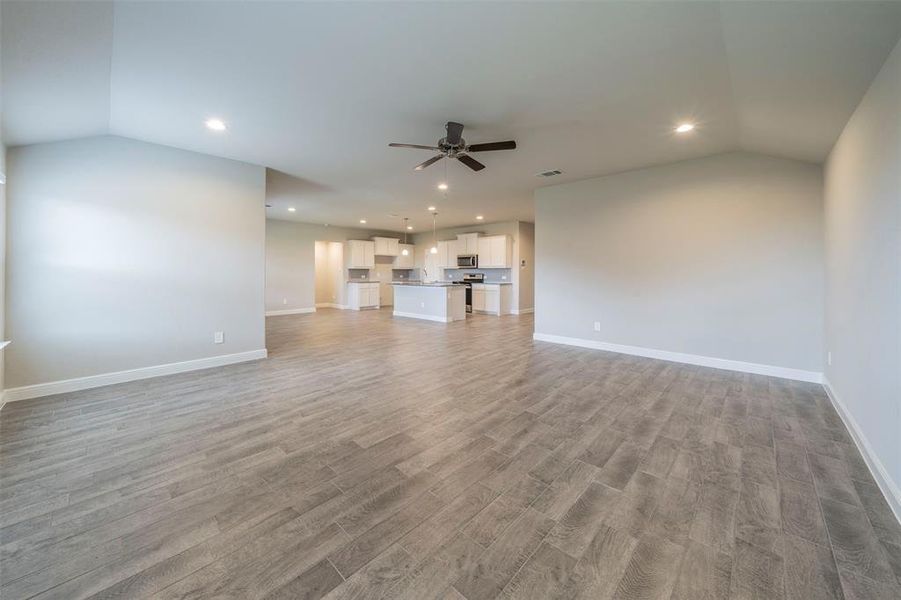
pixel 437 284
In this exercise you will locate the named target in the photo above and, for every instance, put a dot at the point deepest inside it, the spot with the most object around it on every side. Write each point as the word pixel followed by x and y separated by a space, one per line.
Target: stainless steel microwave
pixel 467 261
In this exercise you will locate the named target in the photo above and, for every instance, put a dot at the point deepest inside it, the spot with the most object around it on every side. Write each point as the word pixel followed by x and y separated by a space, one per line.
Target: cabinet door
pixel 368 254
pixel 499 251
pixel 356 254
pixel 484 251
pixel 442 254
pixel 492 300
pixel 451 255
pixel 392 247
pixel 405 262
pixel 478 299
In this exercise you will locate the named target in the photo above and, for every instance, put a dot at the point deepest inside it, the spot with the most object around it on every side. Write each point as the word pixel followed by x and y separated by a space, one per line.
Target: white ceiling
pixel 316 91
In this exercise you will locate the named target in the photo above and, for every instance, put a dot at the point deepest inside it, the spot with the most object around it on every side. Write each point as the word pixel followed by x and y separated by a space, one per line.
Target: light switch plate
pixel 218 337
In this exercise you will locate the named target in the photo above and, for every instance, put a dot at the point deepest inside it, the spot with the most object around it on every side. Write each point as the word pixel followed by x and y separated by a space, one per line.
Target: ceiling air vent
pixel 550 173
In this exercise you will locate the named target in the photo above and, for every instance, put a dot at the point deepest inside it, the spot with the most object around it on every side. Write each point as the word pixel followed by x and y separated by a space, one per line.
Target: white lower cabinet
pixel 490 298
pixel 478 298
pixel 362 295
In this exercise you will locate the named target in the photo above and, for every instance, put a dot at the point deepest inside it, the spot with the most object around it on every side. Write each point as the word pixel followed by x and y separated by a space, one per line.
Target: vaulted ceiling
pixel 315 91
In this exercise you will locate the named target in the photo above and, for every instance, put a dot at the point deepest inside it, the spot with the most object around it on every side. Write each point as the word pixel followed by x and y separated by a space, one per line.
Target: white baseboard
pixel 880 474
pixel 522 311
pixel 2 399
pixel 290 311
pixel 82 383
pixel 691 359
pixel 331 305
pixel 424 317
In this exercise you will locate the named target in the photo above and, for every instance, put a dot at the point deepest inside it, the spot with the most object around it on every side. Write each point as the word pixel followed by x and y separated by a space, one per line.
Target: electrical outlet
pixel 284 300
pixel 829 358
pixel 597 325
pixel 218 337
pixel 422 305
pixel 503 277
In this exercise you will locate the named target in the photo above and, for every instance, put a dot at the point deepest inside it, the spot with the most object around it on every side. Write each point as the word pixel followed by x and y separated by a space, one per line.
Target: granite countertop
pixel 421 284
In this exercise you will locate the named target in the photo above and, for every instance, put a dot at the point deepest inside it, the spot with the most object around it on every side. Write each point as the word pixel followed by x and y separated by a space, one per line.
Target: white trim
pixel 691 359
pixel 880 474
pixel 2 399
pixel 522 311
pixel 330 305
pixel 82 383
pixel 424 317
pixel 290 311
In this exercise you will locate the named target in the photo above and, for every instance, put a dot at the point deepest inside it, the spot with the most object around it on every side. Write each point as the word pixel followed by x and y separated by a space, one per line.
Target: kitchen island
pixel 442 302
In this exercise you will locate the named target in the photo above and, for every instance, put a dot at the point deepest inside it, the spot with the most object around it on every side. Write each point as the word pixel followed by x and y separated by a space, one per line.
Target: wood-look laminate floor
pixel 373 457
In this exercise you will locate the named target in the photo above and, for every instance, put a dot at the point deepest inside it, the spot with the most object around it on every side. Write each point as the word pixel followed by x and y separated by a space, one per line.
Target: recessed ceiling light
pixel 291 209
pixel 363 221
pixel 479 217
pixel 431 209
pixel 442 186
pixel 215 124
pixel 685 127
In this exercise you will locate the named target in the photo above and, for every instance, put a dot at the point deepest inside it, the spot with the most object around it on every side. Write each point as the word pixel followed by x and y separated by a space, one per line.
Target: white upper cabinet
pixel 386 246
pixel 468 243
pixel 447 254
pixel 495 251
pixel 359 254
pixel 408 261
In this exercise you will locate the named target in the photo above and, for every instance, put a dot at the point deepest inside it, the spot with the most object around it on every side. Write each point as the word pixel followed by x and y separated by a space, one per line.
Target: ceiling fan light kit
pixel 452 145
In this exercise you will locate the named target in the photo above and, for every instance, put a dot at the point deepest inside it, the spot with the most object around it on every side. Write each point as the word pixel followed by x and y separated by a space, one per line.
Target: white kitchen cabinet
pixel 447 254
pixel 408 261
pixel 359 254
pixel 490 298
pixel 362 295
pixel 478 298
pixel 468 243
pixel 495 251
pixel 386 246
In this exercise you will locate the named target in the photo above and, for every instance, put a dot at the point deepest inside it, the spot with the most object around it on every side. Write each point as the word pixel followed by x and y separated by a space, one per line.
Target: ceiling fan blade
pixel 511 145
pixel 454 132
pixel 423 165
pixel 470 162
pixel 417 146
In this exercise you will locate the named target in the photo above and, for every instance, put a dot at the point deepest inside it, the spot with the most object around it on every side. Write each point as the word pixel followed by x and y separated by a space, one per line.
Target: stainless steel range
pixel 468 280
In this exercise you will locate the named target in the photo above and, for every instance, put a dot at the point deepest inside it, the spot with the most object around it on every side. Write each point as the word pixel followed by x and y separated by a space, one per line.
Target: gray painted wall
pixel 2 259
pixel 863 268
pixel 718 257
pixel 124 254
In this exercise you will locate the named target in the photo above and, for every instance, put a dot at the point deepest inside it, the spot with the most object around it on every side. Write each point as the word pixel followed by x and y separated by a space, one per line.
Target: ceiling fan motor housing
pixel 451 149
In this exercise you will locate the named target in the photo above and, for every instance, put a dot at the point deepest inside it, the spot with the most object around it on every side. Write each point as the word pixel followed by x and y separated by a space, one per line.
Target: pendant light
pixel 405 251
pixel 443 187
pixel 434 248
